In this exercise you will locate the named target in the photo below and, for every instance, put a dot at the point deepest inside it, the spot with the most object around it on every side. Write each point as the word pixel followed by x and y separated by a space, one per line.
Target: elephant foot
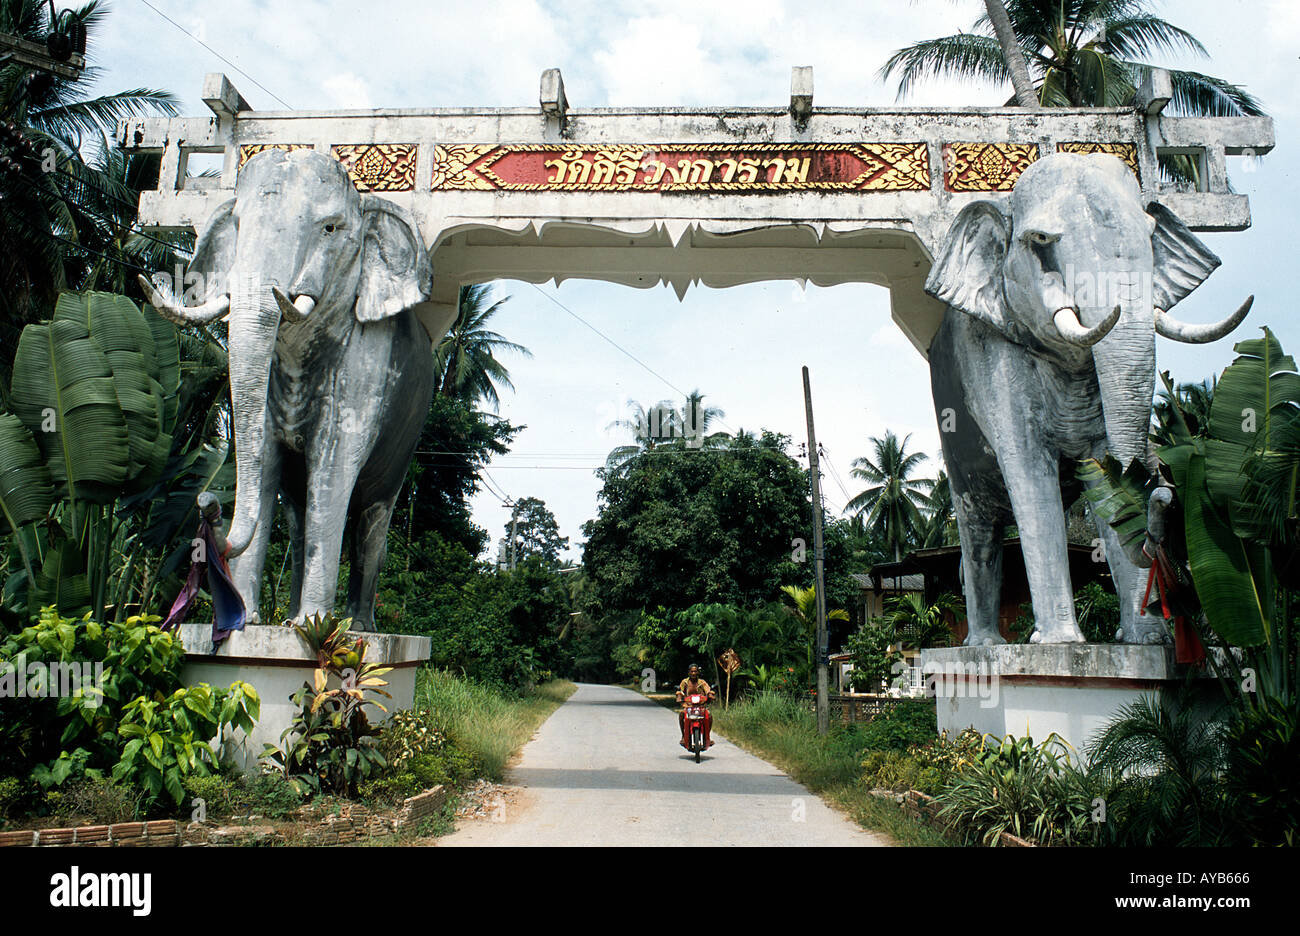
pixel 1143 634
pixel 984 640
pixel 1059 637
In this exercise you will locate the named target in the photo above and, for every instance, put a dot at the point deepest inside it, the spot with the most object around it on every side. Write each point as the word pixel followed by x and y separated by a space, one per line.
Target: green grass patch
pixel 488 721
pixel 783 731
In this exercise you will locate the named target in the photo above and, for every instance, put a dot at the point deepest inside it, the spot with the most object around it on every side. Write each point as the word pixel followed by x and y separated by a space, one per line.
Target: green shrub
pixel 167 739
pixel 900 771
pixel 1031 791
pixel 222 795
pixel 270 794
pixel 12 792
pixel 101 800
pixel 902 725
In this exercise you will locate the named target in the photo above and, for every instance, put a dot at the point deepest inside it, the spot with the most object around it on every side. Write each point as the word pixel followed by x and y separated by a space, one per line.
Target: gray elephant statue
pixel 331 372
pixel 1046 355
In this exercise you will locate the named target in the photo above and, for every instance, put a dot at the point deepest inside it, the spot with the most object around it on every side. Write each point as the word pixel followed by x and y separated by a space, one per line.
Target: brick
pixel 90 833
pixel 167 840
pixel 55 836
pixel 160 827
pixel 125 830
pixel 17 839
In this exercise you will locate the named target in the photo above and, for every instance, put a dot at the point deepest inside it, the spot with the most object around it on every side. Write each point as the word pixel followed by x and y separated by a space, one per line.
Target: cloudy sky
pixel 743 346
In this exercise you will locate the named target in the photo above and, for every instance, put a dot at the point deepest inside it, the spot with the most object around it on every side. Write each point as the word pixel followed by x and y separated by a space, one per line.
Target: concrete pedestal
pixel 276 661
pixel 1036 689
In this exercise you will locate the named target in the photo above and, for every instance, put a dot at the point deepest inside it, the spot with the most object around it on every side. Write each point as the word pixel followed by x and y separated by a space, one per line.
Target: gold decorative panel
pixel 986 167
pixel 249 150
pixel 683 168
pixel 1127 152
pixel 379 167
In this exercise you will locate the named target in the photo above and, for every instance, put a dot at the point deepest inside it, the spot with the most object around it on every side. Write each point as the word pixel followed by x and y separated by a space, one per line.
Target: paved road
pixel 605 769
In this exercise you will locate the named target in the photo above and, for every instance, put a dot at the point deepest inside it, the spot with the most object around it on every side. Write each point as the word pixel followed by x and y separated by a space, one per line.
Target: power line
pixel 624 350
pixel 287 105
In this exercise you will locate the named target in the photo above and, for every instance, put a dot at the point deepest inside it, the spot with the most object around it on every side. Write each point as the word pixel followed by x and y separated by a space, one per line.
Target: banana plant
pixel 93 443
pixel 1235 481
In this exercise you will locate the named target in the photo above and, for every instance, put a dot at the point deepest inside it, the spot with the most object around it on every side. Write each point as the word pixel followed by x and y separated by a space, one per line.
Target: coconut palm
pixel 465 363
pixel 939 527
pixel 664 426
pixel 45 215
pixel 892 506
pixel 1081 53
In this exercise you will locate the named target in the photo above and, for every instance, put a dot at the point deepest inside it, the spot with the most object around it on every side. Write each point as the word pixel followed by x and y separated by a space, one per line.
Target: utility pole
pixel 819 571
pixel 514 526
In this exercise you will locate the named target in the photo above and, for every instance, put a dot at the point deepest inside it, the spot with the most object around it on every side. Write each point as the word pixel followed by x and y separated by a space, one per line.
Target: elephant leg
pixel 369 549
pixel 1130 581
pixel 981 559
pixel 1033 483
pixel 246 568
pixel 329 492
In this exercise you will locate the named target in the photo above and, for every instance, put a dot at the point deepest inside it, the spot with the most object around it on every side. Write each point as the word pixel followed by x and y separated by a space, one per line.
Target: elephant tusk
pixel 1073 331
pixel 1170 327
pixel 296 311
pixel 172 309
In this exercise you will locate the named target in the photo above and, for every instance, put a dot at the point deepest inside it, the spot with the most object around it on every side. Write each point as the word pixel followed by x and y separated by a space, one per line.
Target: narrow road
pixel 605 769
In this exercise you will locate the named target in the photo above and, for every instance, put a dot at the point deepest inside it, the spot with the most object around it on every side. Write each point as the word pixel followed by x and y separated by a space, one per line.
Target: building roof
pixel 876 582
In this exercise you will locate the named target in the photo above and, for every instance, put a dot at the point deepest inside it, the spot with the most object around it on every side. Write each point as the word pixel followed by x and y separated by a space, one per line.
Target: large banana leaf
pixel 1259 386
pixel 119 329
pixel 1224 566
pixel 62 581
pixel 26 492
pixel 166 350
pixel 63 390
pixel 1118 497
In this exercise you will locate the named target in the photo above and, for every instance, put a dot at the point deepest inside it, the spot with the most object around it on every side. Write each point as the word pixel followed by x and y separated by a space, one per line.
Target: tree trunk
pixel 1020 79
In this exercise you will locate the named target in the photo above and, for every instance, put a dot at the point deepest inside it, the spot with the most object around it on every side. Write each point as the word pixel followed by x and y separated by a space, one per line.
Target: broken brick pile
pixel 322 825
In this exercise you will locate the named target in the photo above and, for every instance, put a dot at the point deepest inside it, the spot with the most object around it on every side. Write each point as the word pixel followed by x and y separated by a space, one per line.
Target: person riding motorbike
pixel 694 685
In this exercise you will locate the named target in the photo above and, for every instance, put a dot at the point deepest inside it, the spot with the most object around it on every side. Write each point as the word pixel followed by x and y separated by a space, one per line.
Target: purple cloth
pixel 228 612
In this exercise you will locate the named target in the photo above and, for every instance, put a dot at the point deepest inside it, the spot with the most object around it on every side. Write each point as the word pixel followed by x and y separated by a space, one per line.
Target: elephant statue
pixel 331 371
pixel 1046 355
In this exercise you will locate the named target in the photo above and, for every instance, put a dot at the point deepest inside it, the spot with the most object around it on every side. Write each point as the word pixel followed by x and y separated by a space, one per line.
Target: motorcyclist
pixel 694 685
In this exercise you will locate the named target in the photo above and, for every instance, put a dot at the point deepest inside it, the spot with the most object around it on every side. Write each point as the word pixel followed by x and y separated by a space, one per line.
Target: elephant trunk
pixel 1125 362
pixel 254 325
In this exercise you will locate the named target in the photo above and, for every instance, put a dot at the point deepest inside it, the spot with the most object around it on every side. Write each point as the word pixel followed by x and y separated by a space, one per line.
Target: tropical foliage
pixel 101 458
pixel 1080 53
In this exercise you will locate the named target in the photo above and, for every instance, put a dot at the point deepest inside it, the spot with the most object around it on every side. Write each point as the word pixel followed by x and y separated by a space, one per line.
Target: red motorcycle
pixel 694 715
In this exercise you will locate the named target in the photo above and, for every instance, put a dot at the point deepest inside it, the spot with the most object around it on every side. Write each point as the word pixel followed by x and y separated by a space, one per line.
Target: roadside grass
pixel 780 730
pixel 486 721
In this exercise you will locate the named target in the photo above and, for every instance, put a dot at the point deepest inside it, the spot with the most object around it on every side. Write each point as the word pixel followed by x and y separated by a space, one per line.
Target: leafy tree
pixel 456 444
pixel 873 658
pixel 535 532
pixel 892 506
pixel 698 526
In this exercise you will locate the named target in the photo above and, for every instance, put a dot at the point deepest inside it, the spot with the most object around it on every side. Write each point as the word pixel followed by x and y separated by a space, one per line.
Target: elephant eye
pixel 329 229
pixel 1040 238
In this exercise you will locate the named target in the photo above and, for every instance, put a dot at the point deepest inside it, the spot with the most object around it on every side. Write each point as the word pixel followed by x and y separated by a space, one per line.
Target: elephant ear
pixel 968 273
pixel 214 253
pixel 395 269
pixel 1180 260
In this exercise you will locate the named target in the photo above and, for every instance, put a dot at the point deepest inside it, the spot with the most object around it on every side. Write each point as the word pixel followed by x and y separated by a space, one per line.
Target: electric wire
pixel 287 105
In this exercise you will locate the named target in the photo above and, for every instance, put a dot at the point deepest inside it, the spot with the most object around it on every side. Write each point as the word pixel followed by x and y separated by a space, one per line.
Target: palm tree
pixel 893 504
pixel 1082 53
pixel 922 625
pixel 45 216
pixel 664 426
pixel 465 363
pixel 940 524
pixel 801 604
